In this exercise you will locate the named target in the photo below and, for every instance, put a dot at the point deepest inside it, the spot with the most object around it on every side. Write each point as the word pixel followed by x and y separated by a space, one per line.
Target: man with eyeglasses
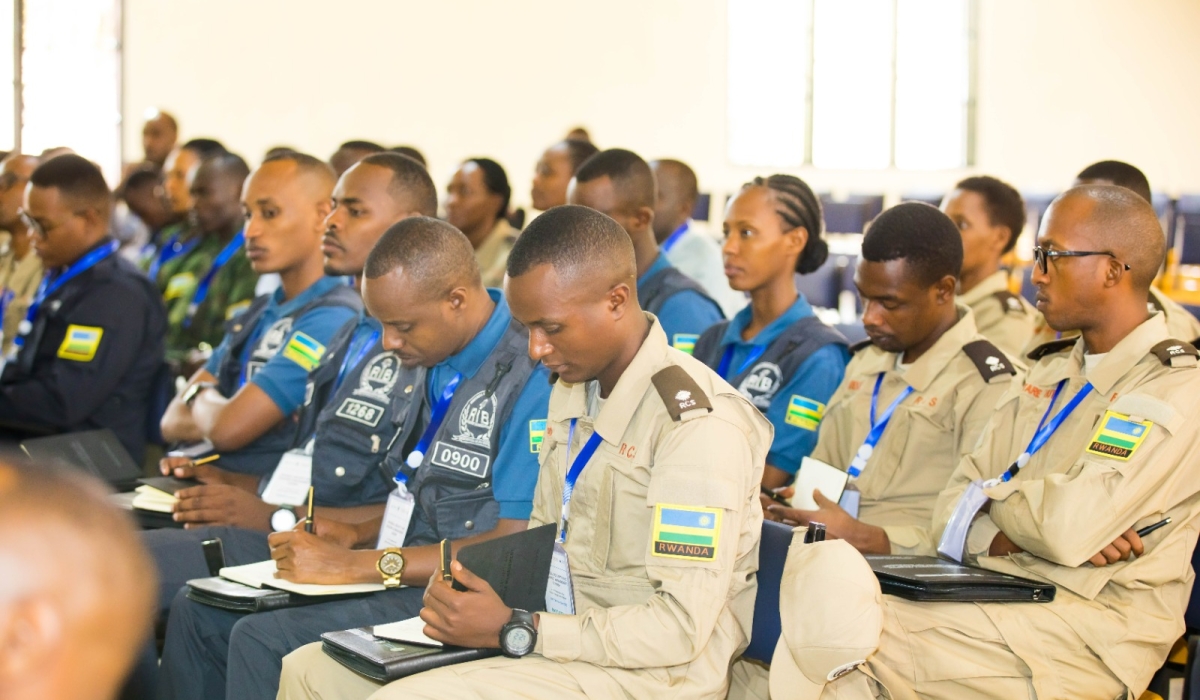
pixel 91 341
pixel 1096 446
pixel 20 267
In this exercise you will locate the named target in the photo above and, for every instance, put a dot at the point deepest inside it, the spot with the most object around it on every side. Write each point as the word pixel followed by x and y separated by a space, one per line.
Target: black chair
pixel 852 214
pixel 1186 236
pixel 772 554
pixel 702 210
pixel 930 198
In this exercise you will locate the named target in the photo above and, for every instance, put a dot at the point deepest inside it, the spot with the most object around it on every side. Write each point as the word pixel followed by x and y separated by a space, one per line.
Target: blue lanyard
pixel 877 427
pixel 51 283
pixel 172 249
pixel 417 456
pixel 756 352
pixel 668 244
pixel 581 460
pixel 1045 430
pixel 368 342
pixel 231 248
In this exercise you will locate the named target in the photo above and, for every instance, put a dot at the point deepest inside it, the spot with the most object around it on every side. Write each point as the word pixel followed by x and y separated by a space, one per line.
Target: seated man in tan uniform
pixel 653 437
pixel 990 215
pixel 1062 503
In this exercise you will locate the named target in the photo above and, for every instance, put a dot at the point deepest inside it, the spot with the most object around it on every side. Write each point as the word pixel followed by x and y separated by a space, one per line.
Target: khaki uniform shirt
pixel 653 616
pixel 1002 317
pixel 927 436
pixel 22 277
pixel 492 256
pixel 1181 324
pixel 1083 489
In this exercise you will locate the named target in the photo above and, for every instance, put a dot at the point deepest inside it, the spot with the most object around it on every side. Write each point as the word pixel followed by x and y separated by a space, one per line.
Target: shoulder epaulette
pixel 1174 353
pixel 989 359
pixel 859 346
pixel 1051 347
pixel 679 391
pixel 1011 303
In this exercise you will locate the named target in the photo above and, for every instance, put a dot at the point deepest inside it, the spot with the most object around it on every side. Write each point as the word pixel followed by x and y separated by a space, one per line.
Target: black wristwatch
pixel 518 636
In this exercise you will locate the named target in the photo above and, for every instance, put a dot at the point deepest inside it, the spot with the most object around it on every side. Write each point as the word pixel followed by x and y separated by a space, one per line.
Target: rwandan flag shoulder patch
pixel 537 433
pixel 803 412
pixel 1118 436
pixel 304 350
pixel 80 343
pixel 684 342
pixel 686 532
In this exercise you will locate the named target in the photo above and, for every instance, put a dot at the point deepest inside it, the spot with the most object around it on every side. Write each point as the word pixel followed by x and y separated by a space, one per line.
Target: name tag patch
pixel 457 459
pixel 537 433
pixel 304 350
pixel 685 342
pixel 803 412
pixel 1118 436
pixel 686 532
pixel 360 412
pixel 80 343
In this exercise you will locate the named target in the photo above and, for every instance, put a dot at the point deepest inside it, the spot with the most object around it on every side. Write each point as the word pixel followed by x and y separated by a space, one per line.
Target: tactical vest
pixel 655 292
pixel 261 456
pixel 352 423
pixel 778 363
pixel 453 485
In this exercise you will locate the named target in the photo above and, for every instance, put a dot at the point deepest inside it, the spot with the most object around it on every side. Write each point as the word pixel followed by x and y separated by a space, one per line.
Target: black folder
pixel 517 567
pixel 931 579
pixel 96 452
pixel 217 592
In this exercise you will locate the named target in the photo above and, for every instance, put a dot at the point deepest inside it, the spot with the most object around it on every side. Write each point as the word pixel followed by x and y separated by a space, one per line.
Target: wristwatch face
pixel 391 563
pixel 283 519
pixel 518 640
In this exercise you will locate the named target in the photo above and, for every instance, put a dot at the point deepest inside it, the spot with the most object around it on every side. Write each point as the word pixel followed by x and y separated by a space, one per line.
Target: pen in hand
pixel 446 575
pixel 308 521
pixel 1151 528
pixel 205 460
pixel 772 495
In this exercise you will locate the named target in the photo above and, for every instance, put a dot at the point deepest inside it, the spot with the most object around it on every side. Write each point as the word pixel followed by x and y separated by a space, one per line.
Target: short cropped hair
pixel 919 234
pixel 632 179
pixel 77 178
pixel 1120 174
pixel 411 153
pixel 144 176
pixel 578 151
pixel 361 145
pixel 205 148
pixel 1003 202
pixel 304 162
pixel 410 180
pixel 434 254
pixel 496 180
pixel 572 238
pixel 229 165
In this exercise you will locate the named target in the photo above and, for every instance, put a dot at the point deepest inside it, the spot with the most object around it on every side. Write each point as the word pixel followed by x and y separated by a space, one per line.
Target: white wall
pixel 1061 83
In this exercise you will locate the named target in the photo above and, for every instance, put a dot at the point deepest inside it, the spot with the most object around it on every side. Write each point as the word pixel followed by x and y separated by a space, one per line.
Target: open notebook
pixel 262 575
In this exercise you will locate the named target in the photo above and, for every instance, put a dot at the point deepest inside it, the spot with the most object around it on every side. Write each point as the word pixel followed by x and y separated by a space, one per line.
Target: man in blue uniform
pixel 244 400
pixel 91 343
pixel 620 184
pixel 467 477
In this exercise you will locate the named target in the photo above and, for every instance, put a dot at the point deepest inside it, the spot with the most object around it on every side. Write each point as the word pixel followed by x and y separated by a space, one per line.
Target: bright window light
pixel 768 59
pixel 932 84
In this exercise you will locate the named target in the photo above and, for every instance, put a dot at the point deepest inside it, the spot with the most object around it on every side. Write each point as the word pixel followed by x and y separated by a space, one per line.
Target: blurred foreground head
pixel 76 588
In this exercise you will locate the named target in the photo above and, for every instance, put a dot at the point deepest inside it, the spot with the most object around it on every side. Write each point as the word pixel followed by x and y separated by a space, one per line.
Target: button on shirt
pixel 928 434
pixel 1070 501
pixel 684 313
pixel 516 465
pixel 816 380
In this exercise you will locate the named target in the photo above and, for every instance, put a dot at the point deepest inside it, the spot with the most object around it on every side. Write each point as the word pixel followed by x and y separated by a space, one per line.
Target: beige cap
pixel 831 614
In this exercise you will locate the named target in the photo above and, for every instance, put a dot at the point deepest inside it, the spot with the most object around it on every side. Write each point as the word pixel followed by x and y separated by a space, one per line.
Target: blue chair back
pixel 703 209
pixel 1187 229
pixel 772 554
pixel 852 214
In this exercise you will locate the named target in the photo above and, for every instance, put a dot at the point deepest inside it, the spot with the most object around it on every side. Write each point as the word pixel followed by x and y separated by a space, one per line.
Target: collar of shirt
pixel 1116 363
pixel 468 360
pixel 920 374
pixel 500 234
pixel 279 307
pixel 733 332
pixel 660 263
pixel 995 282
pixel 621 403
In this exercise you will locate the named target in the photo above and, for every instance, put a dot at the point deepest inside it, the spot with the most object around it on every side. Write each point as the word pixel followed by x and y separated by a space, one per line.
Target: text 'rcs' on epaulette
pixel 1176 353
pixel 679 392
pixel 1010 302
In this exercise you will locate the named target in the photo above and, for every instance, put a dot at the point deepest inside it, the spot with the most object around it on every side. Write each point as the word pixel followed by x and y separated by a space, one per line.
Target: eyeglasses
pixel 1042 256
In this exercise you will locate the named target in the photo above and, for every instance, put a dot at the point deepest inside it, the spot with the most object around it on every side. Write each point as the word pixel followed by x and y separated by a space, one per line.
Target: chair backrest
pixel 852 214
pixel 1187 229
pixel 703 209
pixel 772 554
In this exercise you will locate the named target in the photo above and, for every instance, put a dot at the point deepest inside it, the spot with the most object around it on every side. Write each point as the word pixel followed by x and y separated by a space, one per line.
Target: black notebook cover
pixel 516 566
pixel 217 592
pixel 933 579
pixel 168 484
pixel 97 452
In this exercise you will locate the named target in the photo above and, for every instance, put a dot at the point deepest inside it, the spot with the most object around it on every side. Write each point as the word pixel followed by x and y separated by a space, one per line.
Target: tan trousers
pixel 308 674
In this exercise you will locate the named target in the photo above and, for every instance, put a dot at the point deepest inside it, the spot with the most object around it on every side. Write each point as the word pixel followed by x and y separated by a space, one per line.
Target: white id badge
pixel 396 518
pixel 290 481
pixel 849 501
pixel 560 593
pixel 954 539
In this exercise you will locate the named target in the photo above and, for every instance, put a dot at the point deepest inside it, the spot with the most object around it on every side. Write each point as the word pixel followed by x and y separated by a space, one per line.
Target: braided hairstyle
pixel 799 208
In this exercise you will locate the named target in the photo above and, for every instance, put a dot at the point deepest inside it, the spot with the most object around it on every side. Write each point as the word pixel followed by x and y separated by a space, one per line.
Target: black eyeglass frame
pixel 1042 256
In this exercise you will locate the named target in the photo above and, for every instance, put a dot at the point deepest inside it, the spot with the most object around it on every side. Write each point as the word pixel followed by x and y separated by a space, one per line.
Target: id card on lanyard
pixel 954 538
pixel 560 594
